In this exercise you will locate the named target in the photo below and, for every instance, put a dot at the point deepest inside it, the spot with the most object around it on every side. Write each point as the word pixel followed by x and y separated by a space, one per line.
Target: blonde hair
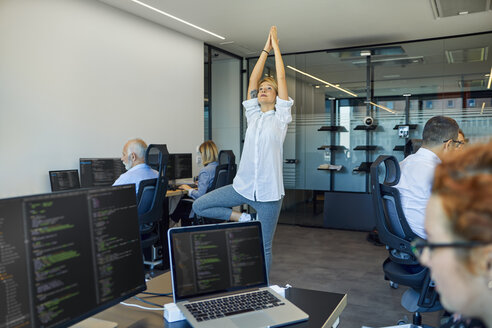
pixel 271 81
pixel 209 152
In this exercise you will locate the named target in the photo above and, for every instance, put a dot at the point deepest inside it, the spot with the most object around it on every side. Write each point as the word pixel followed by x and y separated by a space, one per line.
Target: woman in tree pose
pixel 259 180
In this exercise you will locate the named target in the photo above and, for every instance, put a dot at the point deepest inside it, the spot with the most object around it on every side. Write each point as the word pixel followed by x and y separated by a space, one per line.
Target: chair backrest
pixel 225 171
pixel 391 223
pixel 145 196
pixel 152 192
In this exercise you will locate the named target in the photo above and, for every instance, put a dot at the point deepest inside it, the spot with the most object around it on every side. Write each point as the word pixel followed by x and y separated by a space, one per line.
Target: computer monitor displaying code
pixel 64 180
pixel 179 167
pixel 97 172
pixel 68 255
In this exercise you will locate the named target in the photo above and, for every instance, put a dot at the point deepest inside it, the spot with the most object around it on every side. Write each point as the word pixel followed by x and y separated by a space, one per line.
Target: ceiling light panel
pixel 470 55
pixel 475 84
pixel 382 51
pixel 391 61
pixel 448 8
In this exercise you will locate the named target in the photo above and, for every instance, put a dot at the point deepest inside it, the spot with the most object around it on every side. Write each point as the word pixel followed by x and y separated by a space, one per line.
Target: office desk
pixel 323 308
pixel 177 192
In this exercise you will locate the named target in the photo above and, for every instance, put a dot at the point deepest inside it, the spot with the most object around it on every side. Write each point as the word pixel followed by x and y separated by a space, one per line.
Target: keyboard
pixel 175 187
pixel 226 306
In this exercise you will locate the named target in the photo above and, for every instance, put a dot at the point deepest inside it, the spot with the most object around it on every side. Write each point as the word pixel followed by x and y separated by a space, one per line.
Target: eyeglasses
pixel 418 245
pixel 459 143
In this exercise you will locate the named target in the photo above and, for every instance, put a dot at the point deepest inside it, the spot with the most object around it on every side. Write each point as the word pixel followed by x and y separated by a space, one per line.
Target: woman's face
pixel 266 94
pixel 457 286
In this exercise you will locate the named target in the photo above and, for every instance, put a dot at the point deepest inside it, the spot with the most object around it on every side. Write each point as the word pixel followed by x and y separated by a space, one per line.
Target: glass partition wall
pixel 222 98
pixel 352 105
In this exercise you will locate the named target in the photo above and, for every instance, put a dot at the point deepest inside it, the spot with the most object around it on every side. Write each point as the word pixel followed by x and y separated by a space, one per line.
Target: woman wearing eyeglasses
pixel 458 223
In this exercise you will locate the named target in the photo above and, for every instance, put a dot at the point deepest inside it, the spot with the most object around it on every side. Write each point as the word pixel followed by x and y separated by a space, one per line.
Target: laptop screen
pixel 216 258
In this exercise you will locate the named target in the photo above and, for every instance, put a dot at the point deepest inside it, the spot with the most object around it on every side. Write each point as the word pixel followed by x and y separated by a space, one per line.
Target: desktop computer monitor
pixel 179 167
pixel 97 172
pixel 64 180
pixel 68 255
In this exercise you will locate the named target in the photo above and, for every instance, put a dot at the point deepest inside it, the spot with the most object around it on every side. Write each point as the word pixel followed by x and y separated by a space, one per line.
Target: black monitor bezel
pixel 84 159
pixel 174 177
pixel 57 171
pixel 211 227
pixel 108 304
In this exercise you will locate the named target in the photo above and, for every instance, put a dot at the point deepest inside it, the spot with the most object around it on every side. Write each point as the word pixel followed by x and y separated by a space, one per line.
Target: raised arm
pixel 279 65
pixel 258 70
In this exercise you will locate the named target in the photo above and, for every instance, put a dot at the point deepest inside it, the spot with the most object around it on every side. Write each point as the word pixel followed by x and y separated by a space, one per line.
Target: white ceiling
pixel 305 25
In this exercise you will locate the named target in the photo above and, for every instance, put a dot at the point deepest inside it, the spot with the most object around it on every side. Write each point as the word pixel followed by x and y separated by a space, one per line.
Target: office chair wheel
pixel 393 285
pixel 403 321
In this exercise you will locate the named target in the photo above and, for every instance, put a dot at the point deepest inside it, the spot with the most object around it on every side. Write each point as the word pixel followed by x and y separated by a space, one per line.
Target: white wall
pixel 78 78
pixel 226 108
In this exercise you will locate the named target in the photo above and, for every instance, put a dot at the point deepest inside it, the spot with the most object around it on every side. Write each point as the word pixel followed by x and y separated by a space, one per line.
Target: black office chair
pixel 151 203
pixel 225 171
pixel 224 175
pixel 411 146
pixel 401 266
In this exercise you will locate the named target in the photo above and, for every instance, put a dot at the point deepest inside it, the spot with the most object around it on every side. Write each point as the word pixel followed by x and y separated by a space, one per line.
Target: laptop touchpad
pixel 257 319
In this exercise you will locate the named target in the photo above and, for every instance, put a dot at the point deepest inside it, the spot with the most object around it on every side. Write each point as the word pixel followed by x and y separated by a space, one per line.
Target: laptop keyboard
pixel 175 186
pixel 226 306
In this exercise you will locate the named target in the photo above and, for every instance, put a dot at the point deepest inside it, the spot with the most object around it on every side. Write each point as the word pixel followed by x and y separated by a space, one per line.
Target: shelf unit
pixel 366 127
pixel 366 147
pixel 410 126
pixel 331 147
pixel 399 148
pixel 332 168
pixel 332 128
pixel 363 167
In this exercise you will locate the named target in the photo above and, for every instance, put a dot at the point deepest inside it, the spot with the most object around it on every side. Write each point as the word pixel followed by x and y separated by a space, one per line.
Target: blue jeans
pixel 218 204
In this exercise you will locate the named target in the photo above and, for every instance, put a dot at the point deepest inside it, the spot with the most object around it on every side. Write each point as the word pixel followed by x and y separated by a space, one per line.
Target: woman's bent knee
pixel 198 205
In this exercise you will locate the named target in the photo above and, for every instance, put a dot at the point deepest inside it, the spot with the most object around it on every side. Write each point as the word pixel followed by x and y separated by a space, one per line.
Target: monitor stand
pixel 95 323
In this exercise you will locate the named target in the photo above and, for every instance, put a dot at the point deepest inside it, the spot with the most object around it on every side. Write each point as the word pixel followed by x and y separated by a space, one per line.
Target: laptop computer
pixel 219 278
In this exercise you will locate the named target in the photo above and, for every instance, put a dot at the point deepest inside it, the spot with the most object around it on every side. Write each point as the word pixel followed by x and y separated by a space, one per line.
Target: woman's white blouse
pixel 260 177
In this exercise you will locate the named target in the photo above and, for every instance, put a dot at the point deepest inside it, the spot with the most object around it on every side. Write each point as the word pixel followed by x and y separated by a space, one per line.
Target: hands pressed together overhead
pixel 272 40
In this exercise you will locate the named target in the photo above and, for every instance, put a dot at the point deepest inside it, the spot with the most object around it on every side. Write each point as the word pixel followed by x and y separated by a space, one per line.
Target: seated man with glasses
pixel 459 226
pixel 417 170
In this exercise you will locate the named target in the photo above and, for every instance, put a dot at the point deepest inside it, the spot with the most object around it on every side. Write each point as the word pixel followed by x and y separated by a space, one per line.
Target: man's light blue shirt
pixel 136 174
